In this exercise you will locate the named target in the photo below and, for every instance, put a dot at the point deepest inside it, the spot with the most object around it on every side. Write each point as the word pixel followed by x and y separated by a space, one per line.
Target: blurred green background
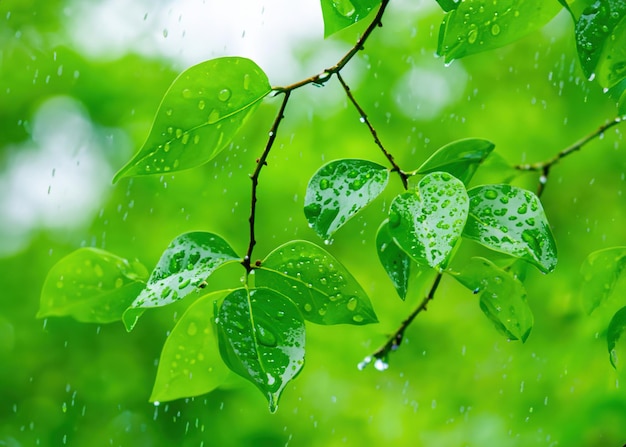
pixel 79 85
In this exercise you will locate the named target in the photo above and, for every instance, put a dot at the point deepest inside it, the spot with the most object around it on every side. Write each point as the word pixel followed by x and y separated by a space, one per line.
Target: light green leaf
pixel 502 297
pixel 339 190
pixel 339 14
pixel 460 158
pixel 199 115
pixel 427 222
pixel 478 25
pixel 511 220
pixel 186 263
pixel 322 288
pixel 190 363
pixel 91 285
pixel 616 329
pixel 396 262
pixel 600 272
pixel 261 338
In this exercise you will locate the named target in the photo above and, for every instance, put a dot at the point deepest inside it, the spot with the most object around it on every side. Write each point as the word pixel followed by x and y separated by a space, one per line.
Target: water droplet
pixel 308 307
pixel 119 282
pixel 351 304
pixel 186 93
pixel 394 219
pixel 357 318
pixel 246 81
pixel 192 329
pixel 495 29
pixel 224 94
pixel 380 364
pixel 266 337
pixel 165 32
pixel 472 35
pixel 324 184
pixel 366 361
pixel 344 7
pixel 201 104
pixel 491 194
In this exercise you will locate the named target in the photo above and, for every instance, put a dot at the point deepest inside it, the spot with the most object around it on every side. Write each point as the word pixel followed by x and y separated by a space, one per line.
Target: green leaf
pixel 340 14
pixel 339 190
pixel 601 41
pixel 427 222
pixel 621 106
pixel 502 297
pixel 92 286
pixel 449 5
pixel 511 220
pixel 261 338
pixel 396 262
pixel 190 362
pixel 616 328
pixel 600 272
pixel 322 288
pixel 199 115
pixel 186 263
pixel 460 158
pixel 478 25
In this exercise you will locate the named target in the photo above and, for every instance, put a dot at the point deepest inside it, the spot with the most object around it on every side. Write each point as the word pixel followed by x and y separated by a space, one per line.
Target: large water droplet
pixel 224 94
pixel 266 337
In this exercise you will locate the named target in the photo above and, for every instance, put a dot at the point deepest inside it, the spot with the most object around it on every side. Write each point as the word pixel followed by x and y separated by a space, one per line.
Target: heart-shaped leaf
pixel 261 338
pixel 614 333
pixel 339 14
pixel 426 223
pixel 600 272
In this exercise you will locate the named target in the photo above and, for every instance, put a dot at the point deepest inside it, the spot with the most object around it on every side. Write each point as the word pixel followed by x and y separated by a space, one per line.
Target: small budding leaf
pixel 92 286
pixel 340 14
pixel 616 329
pixel 261 338
pixel 502 297
pixel 600 272
pixel 199 115
pixel 339 190
pixel 322 288
pixel 396 262
pixel 460 158
pixel 190 363
pixel 188 261
pixel 511 220
pixel 427 222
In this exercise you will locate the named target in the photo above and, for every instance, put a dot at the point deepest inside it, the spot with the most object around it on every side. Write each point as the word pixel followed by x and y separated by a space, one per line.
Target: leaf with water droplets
pixel 502 297
pixel 427 222
pixel 616 329
pixel 339 14
pixel 476 26
pixel 396 262
pixel 511 220
pixel 186 263
pixel 339 190
pixel 91 285
pixel 322 288
pixel 190 363
pixel 199 115
pixel 621 105
pixel 460 158
pixel 600 272
pixel 261 338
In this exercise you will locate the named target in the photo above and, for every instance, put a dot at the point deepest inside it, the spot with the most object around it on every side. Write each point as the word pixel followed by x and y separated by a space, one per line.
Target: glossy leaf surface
pixel 396 262
pixel 321 287
pixel 199 115
pixel 477 25
pixel 511 220
pixel 448 5
pixel 427 222
pixel 339 14
pixel 91 285
pixel 460 158
pixel 261 338
pixel 186 263
pixel 617 349
pixel 339 190
pixel 190 363
pixel 600 272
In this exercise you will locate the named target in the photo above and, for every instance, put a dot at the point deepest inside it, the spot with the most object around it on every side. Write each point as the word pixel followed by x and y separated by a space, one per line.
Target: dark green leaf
pixel 477 25
pixel 186 263
pixel 621 107
pixel 322 288
pixel 449 5
pixel 190 362
pixel 460 158
pixel 502 297
pixel 396 262
pixel 339 190
pixel 199 115
pixel 261 338
pixel 91 285
pixel 427 222
pixel 599 273
pixel 511 220
pixel 617 326
pixel 339 14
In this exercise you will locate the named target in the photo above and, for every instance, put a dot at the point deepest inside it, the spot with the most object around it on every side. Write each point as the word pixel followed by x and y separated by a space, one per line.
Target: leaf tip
pixel 130 317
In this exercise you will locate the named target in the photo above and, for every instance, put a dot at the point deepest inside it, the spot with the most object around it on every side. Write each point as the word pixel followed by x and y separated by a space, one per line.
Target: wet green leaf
pixel 91 285
pixel 427 222
pixel 600 272
pixel 621 106
pixel 339 14
pixel 511 220
pixel 477 25
pixel 448 5
pixel 261 338
pixel 460 158
pixel 616 329
pixel 502 297
pixel 199 115
pixel 190 363
pixel 339 190
pixel 186 263
pixel 322 288
pixel 396 262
